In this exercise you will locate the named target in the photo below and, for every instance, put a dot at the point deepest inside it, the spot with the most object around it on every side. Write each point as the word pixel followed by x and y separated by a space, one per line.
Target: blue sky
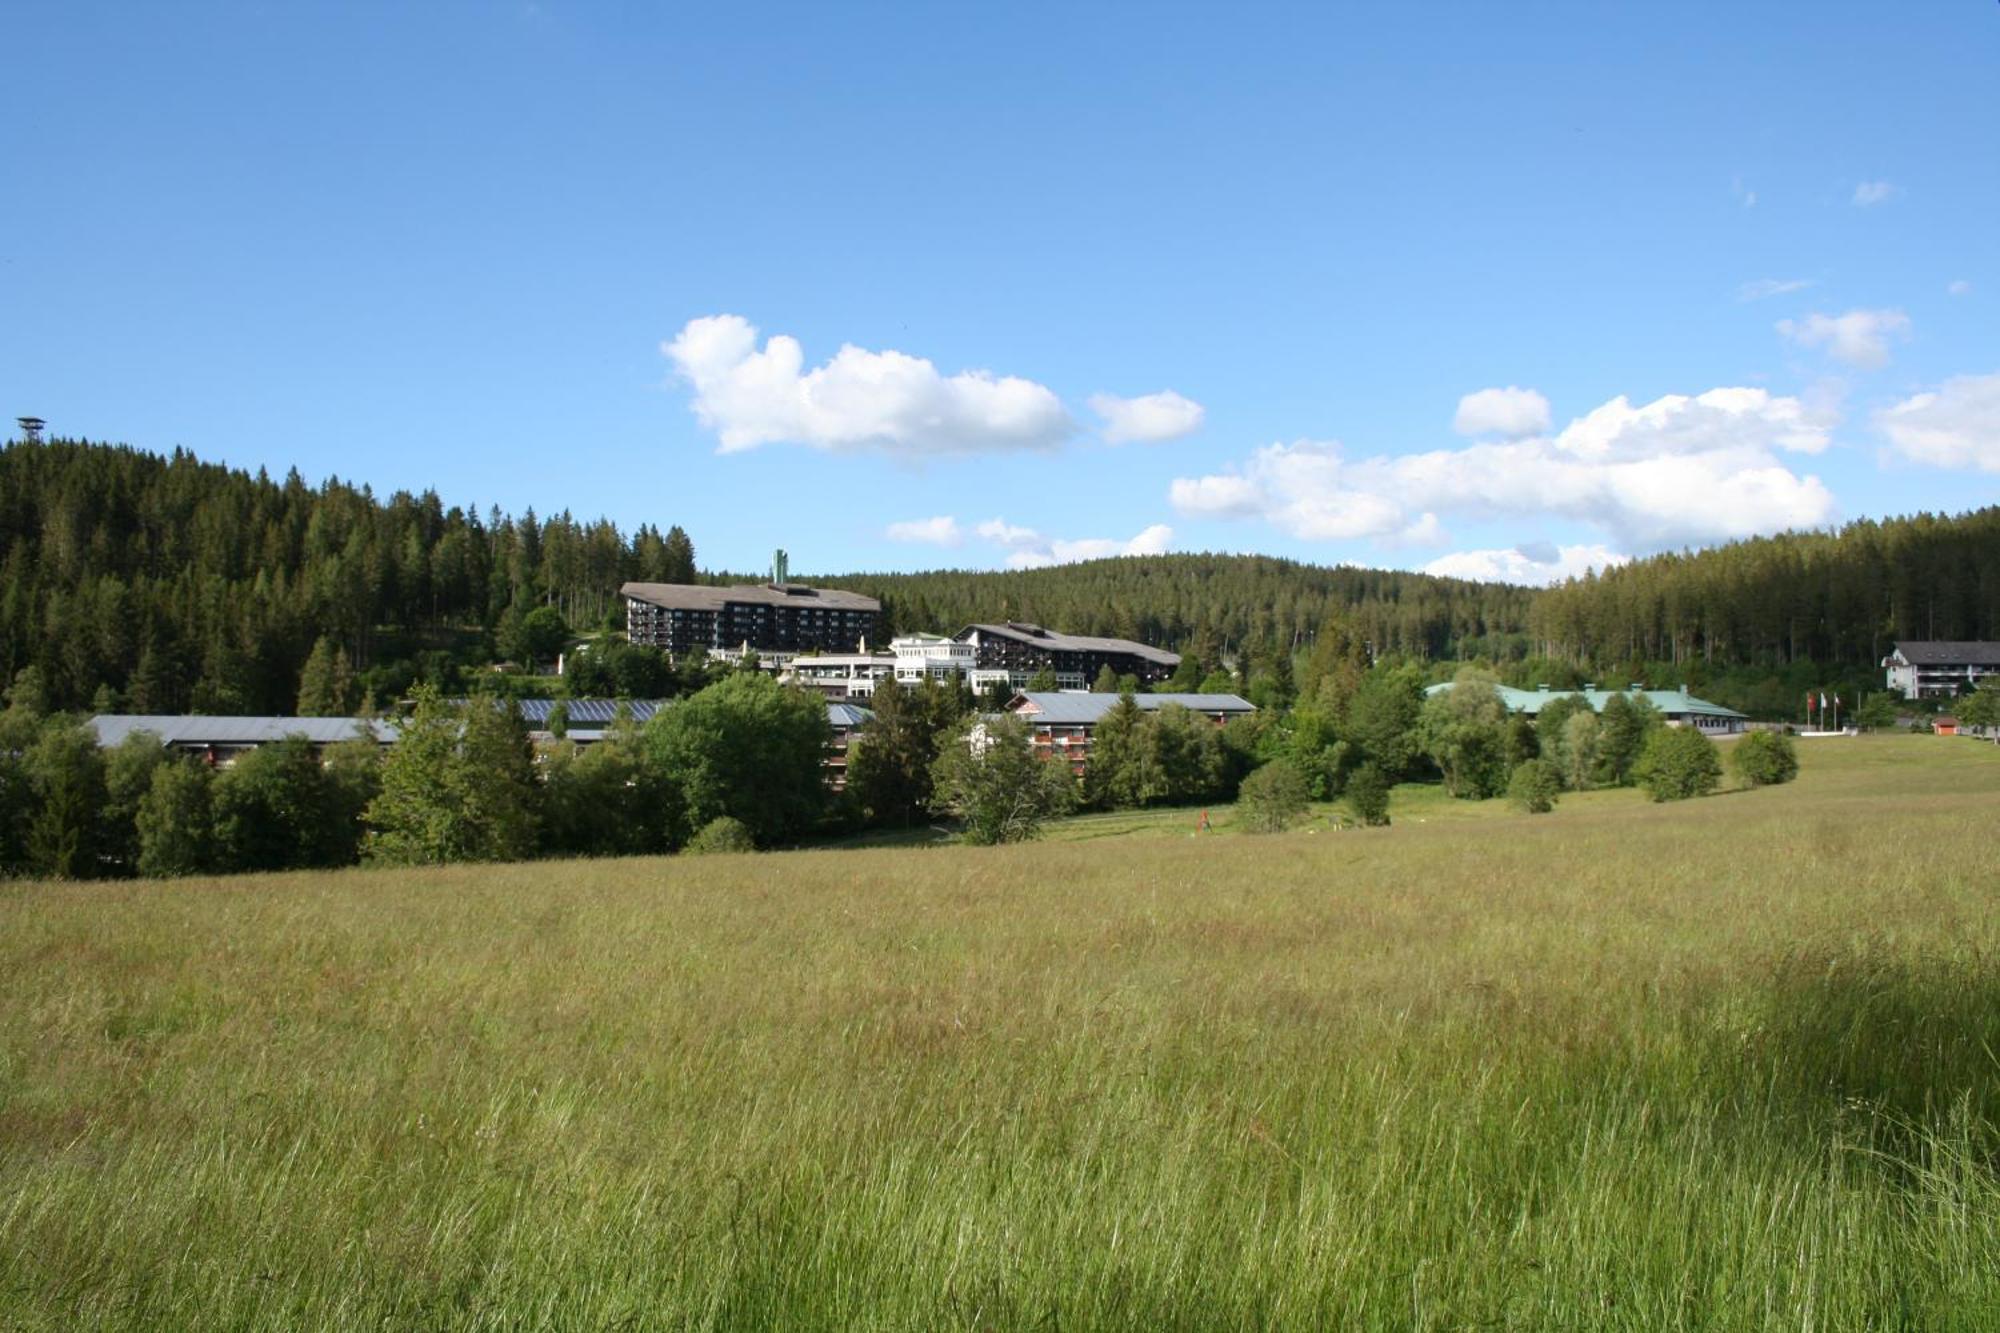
pixel 537 254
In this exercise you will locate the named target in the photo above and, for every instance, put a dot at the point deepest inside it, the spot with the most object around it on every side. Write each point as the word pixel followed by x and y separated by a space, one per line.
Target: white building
pixel 921 657
pixel 1936 669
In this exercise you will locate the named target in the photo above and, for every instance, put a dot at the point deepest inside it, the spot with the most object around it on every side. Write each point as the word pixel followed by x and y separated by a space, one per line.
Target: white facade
pixel 841 675
pixel 1933 670
pixel 921 657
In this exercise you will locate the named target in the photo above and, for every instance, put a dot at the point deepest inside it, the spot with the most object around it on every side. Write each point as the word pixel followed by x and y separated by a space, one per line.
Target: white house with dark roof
pixel 1938 668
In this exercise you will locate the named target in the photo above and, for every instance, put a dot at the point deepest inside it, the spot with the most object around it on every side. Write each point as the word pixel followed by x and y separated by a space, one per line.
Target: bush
pixel 1677 763
pixel 1368 796
pixel 1273 796
pixel 1765 759
pixel 1536 786
pixel 722 834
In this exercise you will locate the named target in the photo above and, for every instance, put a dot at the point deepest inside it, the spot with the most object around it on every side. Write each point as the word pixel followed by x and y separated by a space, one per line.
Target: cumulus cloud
pixel 1870 193
pixel 1681 468
pixel 1767 287
pixel 1957 287
pixel 1858 338
pixel 1510 411
pixel 1956 425
pixel 939 531
pixel 888 401
pixel 1148 419
pixel 1537 564
pixel 1029 549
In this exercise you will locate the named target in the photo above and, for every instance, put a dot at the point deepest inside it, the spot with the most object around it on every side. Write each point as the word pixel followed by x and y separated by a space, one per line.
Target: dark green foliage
pixel 1678 763
pixel 457 786
pixel 1466 733
pixel 1368 795
pixel 722 834
pixel 606 799
pixel 1122 772
pixel 1535 786
pixel 175 824
pixel 1042 680
pixel 1878 712
pixel 1106 682
pixel 988 778
pixel 1382 719
pixel 1623 728
pixel 1273 797
pixel 1764 758
pixel 614 668
pixel 275 810
pixel 1170 755
pixel 889 761
pixel 326 683
pixel 537 636
pixel 747 747
pixel 183 584
pixel 129 769
pixel 1981 708
pixel 65 789
pixel 1798 597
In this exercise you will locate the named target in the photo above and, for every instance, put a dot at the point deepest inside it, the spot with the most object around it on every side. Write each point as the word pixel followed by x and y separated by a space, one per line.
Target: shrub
pixel 722 834
pixel 1274 796
pixel 1368 796
pixel 1677 763
pixel 1535 786
pixel 1764 759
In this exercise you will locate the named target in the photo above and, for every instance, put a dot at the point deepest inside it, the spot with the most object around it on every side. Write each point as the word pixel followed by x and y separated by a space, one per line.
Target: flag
pixel 1822 701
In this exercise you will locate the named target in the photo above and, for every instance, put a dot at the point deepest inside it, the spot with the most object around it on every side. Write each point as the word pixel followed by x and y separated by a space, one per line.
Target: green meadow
pixel 1732 1063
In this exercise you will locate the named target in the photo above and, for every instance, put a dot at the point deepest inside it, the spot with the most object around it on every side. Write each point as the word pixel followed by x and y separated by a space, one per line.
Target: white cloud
pixel 939 531
pixel 1958 287
pixel 1744 194
pixel 1537 564
pixel 1870 193
pixel 1858 338
pixel 1029 549
pixel 1768 287
pixel 1149 418
pixel 1678 469
pixel 1510 411
pixel 1956 425
pixel 858 400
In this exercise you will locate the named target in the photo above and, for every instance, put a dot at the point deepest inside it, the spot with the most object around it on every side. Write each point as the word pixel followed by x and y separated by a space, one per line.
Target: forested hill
pixel 182 584
pixel 1803 597
pixel 1230 605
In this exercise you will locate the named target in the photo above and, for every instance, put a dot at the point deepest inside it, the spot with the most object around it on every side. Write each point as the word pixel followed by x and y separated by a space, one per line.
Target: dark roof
pixel 702 597
pixel 1946 652
pixel 1074 708
pixel 1056 641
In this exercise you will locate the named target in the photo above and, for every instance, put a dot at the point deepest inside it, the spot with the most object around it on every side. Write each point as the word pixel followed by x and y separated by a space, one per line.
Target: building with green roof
pixel 1678 707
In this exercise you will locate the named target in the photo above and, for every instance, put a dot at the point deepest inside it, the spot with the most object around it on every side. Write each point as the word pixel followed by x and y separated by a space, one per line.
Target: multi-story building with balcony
pixel 1014 652
pixel 768 618
pixel 1934 669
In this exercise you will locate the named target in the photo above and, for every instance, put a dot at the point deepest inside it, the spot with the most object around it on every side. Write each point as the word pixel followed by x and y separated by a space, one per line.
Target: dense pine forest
pixel 162 584
pixel 182 585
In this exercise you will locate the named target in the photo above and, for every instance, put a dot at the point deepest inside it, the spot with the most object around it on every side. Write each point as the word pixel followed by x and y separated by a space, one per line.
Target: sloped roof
pixel 189 729
pixel 1948 652
pixel 849 716
pixel 1074 708
pixel 703 597
pixel 1673 703
pixel 1022 632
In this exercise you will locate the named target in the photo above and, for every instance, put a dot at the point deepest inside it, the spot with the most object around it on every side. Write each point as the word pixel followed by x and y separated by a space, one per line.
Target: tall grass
pixel 1727 1064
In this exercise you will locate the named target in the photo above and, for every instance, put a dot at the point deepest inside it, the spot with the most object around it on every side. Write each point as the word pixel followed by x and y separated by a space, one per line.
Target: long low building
pixel 220 740
pixel 1062 722
pixel 1940 669
pixel 766 617
pixel 1678 707
pixel 1015 651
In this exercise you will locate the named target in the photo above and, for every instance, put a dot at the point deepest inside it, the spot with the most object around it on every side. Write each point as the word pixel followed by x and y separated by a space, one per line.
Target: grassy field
pixel 1729 1064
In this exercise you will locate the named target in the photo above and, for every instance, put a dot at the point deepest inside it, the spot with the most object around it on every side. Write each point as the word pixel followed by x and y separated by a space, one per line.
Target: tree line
pixel 166 584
